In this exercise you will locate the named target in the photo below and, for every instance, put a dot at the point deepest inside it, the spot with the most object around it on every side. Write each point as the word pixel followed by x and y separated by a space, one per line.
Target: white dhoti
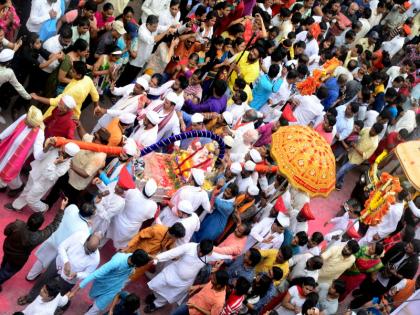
pixel 45 254
pixel 31 196
pixel 16 183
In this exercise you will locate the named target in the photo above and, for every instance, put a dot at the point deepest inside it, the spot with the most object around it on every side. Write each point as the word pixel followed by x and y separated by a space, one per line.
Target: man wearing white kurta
pixel 388 223
pixel 42 11
pixel 138 208
pixel 74 220
pixel 166 109
pixel 172 283
pixel 43 176
pixel 19 138
pixel 244 180
pixel 147 132
pixel 78 256
pixel 295 198
pixel 308 109
pixel 186 216
pixel 111 201
pixel 194 194
pixel 268 233
pixel 133 95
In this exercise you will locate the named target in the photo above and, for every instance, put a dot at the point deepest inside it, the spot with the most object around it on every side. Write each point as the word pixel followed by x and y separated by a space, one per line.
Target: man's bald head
pixel 353 8
pixel 92 243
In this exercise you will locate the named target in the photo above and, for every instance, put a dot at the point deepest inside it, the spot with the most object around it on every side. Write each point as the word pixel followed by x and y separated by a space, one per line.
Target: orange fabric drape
pixel 60 141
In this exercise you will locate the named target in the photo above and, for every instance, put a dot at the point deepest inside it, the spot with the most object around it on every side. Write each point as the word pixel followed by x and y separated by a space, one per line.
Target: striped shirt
pixel 233 304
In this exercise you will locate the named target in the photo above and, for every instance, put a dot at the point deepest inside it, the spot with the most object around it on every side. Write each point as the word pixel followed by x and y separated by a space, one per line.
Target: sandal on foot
pixel 10 207
pixel 23 300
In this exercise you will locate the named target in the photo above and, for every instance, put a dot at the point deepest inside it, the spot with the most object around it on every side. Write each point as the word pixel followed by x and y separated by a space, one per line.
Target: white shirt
pixel 282 95
pixel 39 307
pixel 8 75
pixel 315 251
pixel 344 125
pixel 243 183
pixel 143 137
pixel 366 26
pixel 298 269
pixel 171 127
pixel 146 44
pixel 127 223
pixel 394 45
pixel 174 280
pixel 46 170
pixel 72 250
pixel 237 111
pixel 40 13
pixel 312 47
pixel 394 72
pixel 53 46
pixel 268 10
pixel 343 70
pixel 309 109
pixel 196 195
pixel 191 224
pixel 166 20
pixel 414 209
pixel 155 7
pixel 370 118
pixel 262 231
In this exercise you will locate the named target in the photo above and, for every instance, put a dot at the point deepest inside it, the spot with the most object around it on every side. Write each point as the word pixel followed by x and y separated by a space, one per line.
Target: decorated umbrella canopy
pixel 305 159
pixel 408 155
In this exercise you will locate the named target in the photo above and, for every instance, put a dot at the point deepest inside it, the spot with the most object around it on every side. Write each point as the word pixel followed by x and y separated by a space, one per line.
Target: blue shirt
pixel 108 280
pixel 333 92
pixel 263 89
pixel 237 269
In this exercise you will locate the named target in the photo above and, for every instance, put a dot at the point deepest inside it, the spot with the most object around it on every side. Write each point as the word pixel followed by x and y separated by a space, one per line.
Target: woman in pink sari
pixel 367 263
pixel 9 20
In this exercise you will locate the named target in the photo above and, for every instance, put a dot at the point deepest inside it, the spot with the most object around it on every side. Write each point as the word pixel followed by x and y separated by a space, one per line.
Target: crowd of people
pixel 237 68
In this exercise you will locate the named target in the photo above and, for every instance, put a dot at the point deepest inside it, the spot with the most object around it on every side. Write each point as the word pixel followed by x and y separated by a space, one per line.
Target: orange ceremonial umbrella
pixel 408 155
pixel 305 159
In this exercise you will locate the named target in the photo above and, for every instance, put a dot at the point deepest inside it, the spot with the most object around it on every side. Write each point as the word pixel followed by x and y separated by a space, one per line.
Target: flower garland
pixel 380 199
pixel 310 84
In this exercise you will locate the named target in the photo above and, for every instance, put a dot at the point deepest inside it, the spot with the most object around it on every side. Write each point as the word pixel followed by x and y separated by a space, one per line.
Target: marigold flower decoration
pixel 380 199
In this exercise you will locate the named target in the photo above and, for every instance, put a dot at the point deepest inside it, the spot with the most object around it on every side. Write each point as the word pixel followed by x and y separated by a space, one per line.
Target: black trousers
pixel 62 186
pixel 9 269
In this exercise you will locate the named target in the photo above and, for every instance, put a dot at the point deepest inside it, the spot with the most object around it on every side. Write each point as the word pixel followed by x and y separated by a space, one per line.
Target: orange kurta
pixel 115 132
pixel 208 299
pixel 153 240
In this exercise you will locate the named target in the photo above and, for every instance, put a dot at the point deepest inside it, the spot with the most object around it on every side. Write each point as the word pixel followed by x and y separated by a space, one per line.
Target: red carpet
pixel 17 286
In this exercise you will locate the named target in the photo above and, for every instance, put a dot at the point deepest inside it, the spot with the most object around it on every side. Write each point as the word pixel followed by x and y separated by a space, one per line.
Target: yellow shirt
pixel 268 261
pixel 249 72
pixel 366 144
pixel 334 264
pixel 79 89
